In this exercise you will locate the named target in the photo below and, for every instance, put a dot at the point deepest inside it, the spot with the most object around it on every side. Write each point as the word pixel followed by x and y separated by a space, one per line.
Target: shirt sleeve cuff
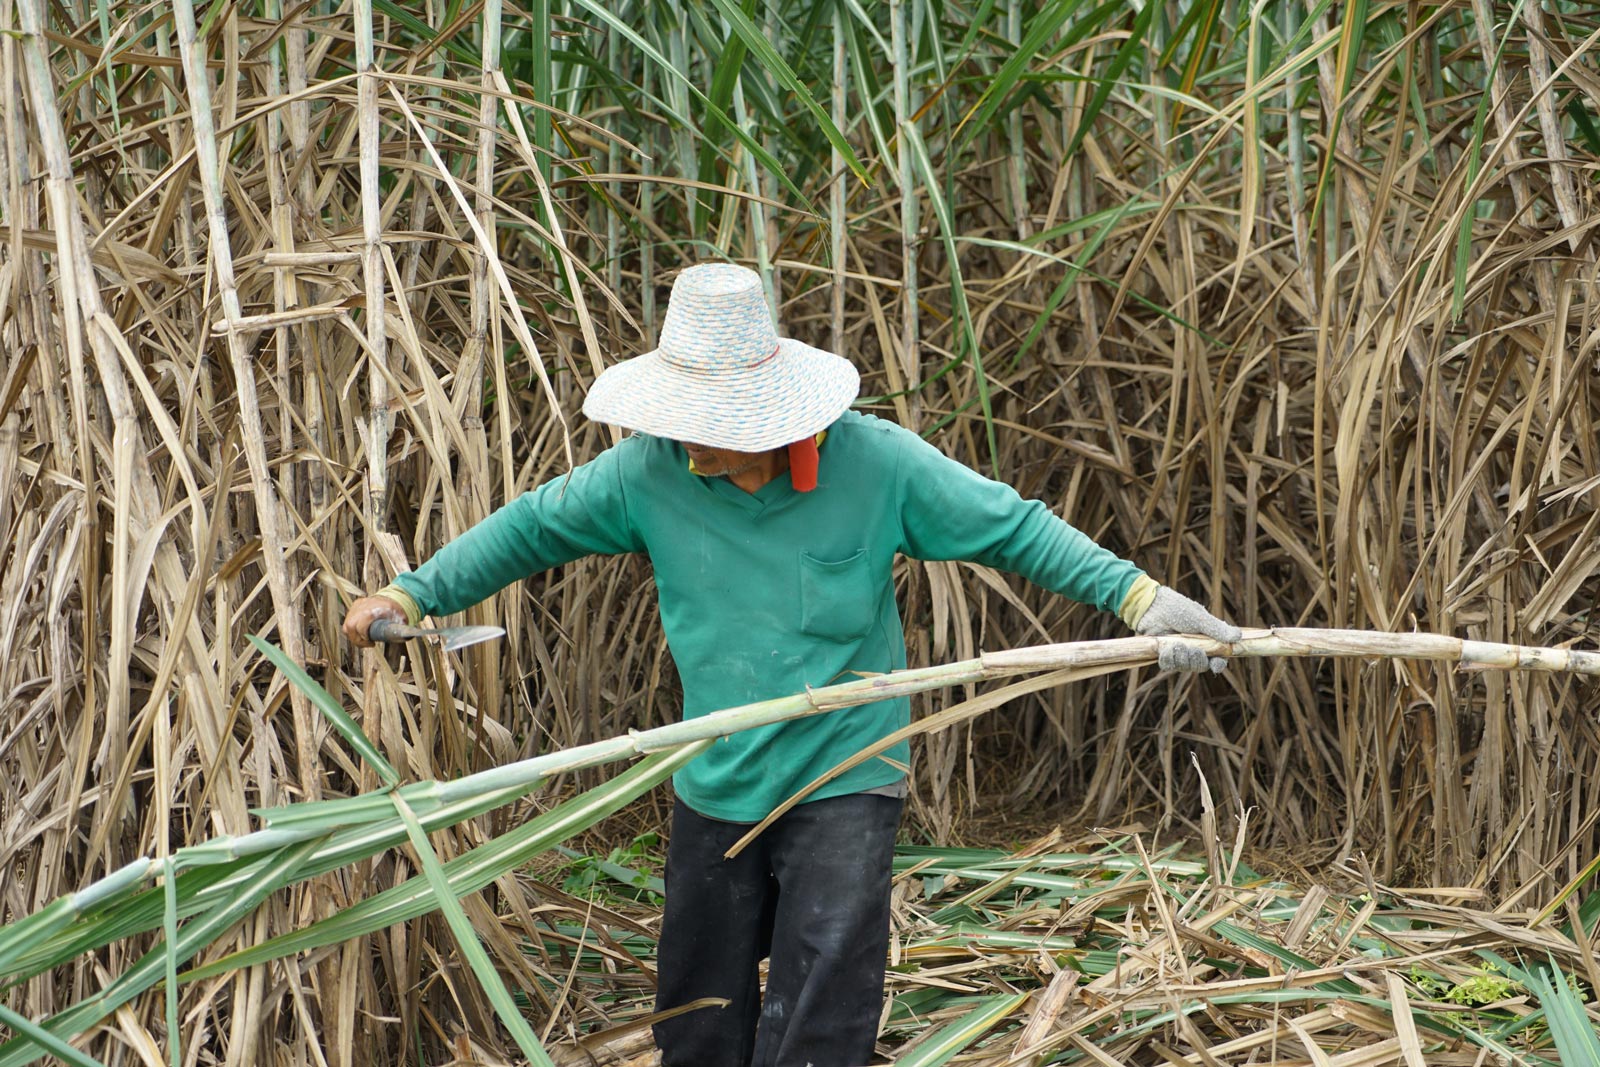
pixel 413 611
pixel 1141 594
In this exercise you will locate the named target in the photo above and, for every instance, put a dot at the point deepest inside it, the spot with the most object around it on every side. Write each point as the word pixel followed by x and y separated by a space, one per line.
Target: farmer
pixel 772 515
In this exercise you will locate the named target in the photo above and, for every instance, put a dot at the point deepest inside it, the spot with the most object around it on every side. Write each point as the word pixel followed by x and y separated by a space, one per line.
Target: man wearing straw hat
pixel 772 515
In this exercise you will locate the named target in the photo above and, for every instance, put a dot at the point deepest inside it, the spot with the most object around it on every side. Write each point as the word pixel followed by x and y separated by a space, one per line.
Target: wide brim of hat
pixel 796 394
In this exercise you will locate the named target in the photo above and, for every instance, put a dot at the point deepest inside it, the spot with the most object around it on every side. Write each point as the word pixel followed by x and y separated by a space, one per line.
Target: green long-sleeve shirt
pixel 766 593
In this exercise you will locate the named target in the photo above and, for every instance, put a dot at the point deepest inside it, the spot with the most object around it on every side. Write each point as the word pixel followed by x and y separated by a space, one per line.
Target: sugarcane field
pixel 762 533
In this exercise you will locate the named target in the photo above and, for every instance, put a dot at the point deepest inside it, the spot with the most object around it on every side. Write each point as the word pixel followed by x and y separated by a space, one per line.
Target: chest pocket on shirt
pixel 838 601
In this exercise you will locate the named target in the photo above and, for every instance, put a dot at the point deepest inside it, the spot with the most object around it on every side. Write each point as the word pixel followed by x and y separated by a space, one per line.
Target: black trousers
pixel 812 892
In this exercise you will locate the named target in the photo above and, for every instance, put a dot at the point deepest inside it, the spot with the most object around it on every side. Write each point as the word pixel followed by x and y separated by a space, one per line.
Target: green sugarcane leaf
pixel 470 871
pixel 543 82
pixel 982 21
pixel 169 896
pixel 454 44
pixel 729 67
pixel 45 1040
pixel 972 933
pixel 148 971
pixel 1570 1025
pixel 856 33
pixel 621 27
pixel 617 872
pixel 1130 49
pixel 962 313
pixel 762 49
pixel 110 919
pixel 1584 121
pixel 27 933
pixel 336 715
pixel 467 938
pixel 1560 899
pixel 1041 29
pixel 1074 268
pixel 220 871
pixel 1180 32
pixel 1275 80
pixel 224 868
pixel 995 860
pixel 946 1043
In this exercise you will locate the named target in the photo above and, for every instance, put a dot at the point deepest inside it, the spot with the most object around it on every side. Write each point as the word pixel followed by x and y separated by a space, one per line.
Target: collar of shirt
pixel 696 470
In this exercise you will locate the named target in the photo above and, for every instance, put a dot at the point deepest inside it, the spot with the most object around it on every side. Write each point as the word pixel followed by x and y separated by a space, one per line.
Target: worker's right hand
pixel 366 611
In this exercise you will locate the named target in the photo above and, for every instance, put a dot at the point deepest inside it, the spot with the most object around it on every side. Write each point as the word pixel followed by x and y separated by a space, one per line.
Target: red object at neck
pixel 803 461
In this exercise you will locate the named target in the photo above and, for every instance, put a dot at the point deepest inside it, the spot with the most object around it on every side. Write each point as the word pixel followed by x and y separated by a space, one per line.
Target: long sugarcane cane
pixel 303 840
pixel 441 804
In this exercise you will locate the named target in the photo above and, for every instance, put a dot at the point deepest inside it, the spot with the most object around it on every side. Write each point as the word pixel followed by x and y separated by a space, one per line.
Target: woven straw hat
pixel 721 376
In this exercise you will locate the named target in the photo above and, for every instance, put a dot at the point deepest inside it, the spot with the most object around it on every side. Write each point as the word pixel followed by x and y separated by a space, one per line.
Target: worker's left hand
pixel 1173 613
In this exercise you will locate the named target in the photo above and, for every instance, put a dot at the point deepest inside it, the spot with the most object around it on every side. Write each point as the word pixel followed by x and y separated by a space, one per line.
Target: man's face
pixel 721 462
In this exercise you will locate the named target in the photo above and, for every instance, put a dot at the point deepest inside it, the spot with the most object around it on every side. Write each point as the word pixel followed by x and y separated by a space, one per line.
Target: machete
pixel 450 638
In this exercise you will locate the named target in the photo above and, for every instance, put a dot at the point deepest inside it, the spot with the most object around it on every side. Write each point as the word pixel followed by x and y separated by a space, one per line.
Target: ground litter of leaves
pixel 1098 951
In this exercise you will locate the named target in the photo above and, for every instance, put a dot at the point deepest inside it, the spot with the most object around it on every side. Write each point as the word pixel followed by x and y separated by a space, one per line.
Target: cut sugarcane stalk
pixel 1298 641
pixel 449 802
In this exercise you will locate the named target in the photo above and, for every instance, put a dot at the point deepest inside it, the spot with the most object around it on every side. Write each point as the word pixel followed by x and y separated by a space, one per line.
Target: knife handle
pixel 389 630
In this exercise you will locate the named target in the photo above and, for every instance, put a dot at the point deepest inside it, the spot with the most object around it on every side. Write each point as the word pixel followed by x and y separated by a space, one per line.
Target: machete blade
pixel 450 638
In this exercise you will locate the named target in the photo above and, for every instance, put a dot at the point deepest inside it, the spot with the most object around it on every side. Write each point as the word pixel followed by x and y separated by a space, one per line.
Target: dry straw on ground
pixel 1293 303
pixel 1102 952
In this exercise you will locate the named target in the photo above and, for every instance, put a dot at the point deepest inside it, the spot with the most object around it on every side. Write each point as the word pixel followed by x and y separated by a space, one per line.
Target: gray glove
pixel 1173 613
